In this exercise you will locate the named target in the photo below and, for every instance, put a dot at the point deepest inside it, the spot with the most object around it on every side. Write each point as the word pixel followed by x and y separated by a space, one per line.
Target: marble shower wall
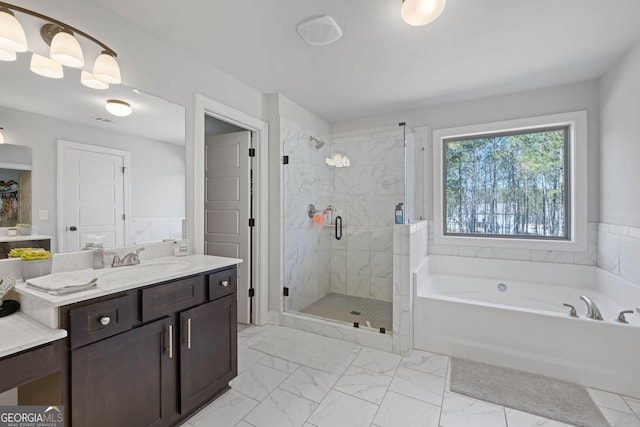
pixel 307 246
pixel 365 195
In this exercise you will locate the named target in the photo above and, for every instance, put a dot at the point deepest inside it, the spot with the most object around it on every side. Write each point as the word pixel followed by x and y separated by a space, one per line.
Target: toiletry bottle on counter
pixel 98 252
pixel 399 213
pixel 329 216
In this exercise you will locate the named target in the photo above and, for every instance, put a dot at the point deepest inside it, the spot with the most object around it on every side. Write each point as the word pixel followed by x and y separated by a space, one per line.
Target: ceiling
pixel 382 65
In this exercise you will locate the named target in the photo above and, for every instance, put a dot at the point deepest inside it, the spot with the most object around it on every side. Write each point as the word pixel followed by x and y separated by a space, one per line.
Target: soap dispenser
pixel 98 252
pixel 399 214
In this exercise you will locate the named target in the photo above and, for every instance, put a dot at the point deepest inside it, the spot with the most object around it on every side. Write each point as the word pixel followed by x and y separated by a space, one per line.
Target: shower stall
pixel 339 204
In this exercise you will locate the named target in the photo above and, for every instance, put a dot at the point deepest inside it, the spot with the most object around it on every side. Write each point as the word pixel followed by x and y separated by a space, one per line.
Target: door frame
pixel 195 194
pixel 62 146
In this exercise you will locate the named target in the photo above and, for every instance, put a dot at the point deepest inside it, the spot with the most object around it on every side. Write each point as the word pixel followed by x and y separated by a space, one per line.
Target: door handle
pixel 73 228
pixel 170 341
pixel 186 337
pixel 338 227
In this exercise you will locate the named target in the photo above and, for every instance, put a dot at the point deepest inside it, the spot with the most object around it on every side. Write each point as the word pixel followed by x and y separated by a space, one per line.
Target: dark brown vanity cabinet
pixel 152 356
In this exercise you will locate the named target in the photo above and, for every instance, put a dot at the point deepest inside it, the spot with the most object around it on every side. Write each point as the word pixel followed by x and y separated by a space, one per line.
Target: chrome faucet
pixel 592 308
pixel 131 258
pixel 116 259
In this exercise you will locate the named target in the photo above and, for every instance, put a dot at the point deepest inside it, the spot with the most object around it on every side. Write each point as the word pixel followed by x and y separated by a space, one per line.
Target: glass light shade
pixel 66 50
pixel 89 80
pixel 46 67
pixel 421 12
pixel 7 55
pixel 106 69
pixel 12 35
pixel 118 108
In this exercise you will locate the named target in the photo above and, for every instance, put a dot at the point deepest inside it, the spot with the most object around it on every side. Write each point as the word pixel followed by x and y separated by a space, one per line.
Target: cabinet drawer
pixel 171 297
pixel 100 320
pixel 222 283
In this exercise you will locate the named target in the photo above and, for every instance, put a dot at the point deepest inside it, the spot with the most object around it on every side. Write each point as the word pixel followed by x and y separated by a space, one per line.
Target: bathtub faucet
pixel 592 308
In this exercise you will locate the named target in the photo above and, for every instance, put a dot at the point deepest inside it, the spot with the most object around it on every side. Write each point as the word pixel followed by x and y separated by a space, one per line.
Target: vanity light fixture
pixel 118 108
pixel 64 47
pixel 338 160
pixel 1 136
pixel 421 12
pixel 89 80
pixel 46 67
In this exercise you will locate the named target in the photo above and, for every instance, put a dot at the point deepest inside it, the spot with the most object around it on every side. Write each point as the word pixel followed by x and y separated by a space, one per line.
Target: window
pixel 520 183
pixel 507 184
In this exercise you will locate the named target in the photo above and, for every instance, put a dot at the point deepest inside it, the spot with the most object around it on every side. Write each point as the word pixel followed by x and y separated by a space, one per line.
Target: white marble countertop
pixel 20 332
pixel 21 238
pixel 148 272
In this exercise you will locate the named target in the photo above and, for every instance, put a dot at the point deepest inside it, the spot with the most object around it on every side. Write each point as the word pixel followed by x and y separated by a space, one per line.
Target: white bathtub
pixel 459 311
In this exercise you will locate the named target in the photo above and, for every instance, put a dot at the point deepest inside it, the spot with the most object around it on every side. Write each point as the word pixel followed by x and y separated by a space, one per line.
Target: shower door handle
pixel 338 227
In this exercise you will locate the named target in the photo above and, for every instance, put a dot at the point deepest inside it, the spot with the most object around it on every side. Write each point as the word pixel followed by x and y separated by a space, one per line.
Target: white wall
pixel 619 228
pixel 157 168
pixel 559 99
pixel 620 149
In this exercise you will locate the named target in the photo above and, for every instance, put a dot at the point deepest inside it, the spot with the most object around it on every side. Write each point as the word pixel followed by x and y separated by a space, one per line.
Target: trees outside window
pixel 511 184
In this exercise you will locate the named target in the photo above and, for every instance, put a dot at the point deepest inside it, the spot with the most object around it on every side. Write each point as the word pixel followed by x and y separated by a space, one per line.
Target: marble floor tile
pixel 459 411
pixel 281 409
pixel 304 348
pixel 605 399
pixel 430 363
pixel 377 361
pixel 620 419
pixel 258 381
pixel 426 387
pixel 364 384
pixel 227 410
pixel 397 410
pixel 634 404
pixel 247 357
pixel 341 410
pixel 522 419
pixel 310 383
pixel 279 364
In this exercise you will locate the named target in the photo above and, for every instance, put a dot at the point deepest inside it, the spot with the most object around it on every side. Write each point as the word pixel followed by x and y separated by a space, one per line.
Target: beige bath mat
pixel 547 397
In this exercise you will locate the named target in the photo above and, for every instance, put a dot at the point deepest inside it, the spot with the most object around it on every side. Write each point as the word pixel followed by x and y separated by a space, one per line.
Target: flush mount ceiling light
pixel 64 46
pixel 319 31
pixel 118 108
pixel 421 12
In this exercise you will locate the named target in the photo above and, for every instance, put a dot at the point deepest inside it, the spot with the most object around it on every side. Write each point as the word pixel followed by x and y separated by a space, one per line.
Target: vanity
pixel 149 346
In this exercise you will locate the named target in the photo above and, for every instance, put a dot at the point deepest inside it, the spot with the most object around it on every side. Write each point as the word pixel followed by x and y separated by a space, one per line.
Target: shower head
pixel 317 143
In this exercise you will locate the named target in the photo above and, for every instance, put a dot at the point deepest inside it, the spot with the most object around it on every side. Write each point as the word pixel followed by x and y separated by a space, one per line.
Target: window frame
pixel 575 186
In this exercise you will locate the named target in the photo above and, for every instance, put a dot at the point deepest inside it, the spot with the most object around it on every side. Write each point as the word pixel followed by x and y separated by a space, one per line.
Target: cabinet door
pixel 208 350
pixel 126 380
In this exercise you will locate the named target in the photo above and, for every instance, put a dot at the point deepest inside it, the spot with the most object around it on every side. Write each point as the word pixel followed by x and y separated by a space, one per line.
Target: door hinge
pixel 252 293
pixel 252 222
pixel 285 160
pixel 252 152
pixel 124 168
pixel 285 291
pixel 123 217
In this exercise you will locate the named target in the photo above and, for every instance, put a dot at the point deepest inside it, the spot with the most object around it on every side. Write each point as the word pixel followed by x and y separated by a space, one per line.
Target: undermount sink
pixel 150 269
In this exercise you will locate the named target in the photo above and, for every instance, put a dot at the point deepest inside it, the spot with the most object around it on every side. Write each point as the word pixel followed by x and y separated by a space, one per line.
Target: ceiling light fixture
pixel 118 108
pixel 1 136
pixel 89 80
pixel 421 12
pixel 319 31
pixel 65 48
pixel 46 67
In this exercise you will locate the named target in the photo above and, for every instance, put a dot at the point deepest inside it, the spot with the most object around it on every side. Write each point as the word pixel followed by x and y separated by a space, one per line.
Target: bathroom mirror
pixel 15 185
pixel 37 112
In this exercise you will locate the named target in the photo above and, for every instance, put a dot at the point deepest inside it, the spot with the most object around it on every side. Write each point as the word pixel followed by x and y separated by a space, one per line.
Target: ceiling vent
pixel 319 31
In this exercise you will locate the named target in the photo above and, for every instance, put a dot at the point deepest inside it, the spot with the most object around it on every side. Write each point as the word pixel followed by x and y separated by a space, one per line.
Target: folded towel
pixel 63 283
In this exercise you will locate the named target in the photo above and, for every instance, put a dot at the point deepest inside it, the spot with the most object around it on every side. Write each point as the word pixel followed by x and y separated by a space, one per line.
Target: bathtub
pixel 510 313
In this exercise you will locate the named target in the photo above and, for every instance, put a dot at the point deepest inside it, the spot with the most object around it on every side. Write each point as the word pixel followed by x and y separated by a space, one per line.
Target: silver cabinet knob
pixel 224 283
pixel 105 320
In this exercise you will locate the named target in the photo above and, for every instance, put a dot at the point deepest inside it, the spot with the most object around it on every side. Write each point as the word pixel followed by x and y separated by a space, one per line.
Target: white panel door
pixel 91 183
pixel 227 207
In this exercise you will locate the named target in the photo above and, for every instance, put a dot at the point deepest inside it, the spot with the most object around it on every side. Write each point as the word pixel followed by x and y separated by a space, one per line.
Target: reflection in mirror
pixel 15 186
pixel 37 112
